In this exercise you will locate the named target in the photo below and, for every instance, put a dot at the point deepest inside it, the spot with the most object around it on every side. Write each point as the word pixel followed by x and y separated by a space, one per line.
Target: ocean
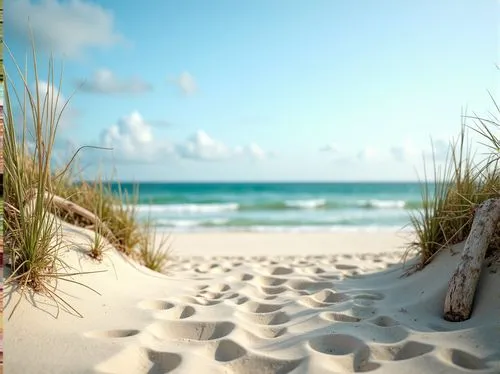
pixel 276 206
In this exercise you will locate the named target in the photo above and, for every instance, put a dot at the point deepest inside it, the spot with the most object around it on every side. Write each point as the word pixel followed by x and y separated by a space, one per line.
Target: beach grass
pixel 31 232
pixel 451 197
pixel 154 250
pixel 32 185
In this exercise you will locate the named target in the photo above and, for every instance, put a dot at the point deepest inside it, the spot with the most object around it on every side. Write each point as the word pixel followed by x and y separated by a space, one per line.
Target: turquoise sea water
pixel 277 206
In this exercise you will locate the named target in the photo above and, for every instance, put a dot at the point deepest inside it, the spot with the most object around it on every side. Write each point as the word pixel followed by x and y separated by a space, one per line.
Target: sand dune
pixel 323 309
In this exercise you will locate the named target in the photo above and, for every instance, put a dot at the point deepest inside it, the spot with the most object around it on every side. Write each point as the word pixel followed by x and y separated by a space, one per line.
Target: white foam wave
pixel 305 204
pixel 383 204
pixel 188 208
pixel 185 223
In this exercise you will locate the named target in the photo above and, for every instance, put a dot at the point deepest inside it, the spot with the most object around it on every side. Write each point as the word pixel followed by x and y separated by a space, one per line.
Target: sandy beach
pixel 234 188
pixel 255 303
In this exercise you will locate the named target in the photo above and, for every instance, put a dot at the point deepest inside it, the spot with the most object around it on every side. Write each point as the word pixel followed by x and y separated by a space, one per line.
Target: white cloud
pixel 132 139
pixel 186 83
pixel 51 95
pixel 67 27
pixel 106 82
pixel 201 146
pixel 404 152
pixel 55 102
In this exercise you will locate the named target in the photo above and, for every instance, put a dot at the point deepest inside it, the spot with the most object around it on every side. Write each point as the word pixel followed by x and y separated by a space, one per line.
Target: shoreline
pixel 286 243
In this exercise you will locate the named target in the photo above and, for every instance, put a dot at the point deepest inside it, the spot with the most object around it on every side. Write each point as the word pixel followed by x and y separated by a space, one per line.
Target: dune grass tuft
pixel 154 251
pixel 33 234
pixel 451 198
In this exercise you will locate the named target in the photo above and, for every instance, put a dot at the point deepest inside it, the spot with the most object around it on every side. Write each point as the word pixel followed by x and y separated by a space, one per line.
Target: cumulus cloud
pixel 202 147
pixel 51 95
pixel 186 83
pixel 104 81
pixel 67 27
pixel 56 102
pixel 132 139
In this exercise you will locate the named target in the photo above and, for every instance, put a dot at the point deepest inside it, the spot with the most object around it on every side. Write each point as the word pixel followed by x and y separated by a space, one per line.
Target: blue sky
pixel 263 90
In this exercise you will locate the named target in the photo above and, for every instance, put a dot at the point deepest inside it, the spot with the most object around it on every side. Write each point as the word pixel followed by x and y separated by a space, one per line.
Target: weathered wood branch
pixel 463 283
pixel 70 207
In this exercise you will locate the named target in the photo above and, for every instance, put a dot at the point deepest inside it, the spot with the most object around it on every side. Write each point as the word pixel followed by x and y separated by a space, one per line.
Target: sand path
pixel 330 313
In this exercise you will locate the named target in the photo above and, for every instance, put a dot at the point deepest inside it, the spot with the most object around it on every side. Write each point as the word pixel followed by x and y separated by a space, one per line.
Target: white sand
pixel 283 303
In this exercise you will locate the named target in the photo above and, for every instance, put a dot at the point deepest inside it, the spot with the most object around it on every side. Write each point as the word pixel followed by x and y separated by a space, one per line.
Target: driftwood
pixel 462 286
pixel 68 206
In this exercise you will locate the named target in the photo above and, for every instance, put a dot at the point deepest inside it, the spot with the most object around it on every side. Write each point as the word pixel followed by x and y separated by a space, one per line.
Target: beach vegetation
pixel 39 196
pixel 457 187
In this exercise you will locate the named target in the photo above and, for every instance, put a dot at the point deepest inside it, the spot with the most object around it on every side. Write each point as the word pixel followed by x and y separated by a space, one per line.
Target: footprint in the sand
pixel 112 334
pixel 225 350
pixel 403 351
pixel 314 270
pixel 384 321
pixel 257 335
pixel 249 363
pixel 240 277
pixel 369 296
pixel 167 309
pixel 221 287
pixel 139 360
pixel 363 311
pixel 345 267
pixel 269 319
pixel 155 305
pixel 240 300
pixel 211 268
pixel 273 290
pixel 354 355
pixel 336 344
pixel 462 359
pixel 256 307
pixel 330 276
pixel 342 353
pixel 340 317
pixel 198 300
pixel 309 286
pixel 194 330
pixel 163 362
pixel 267 281
pixel 179 312
pixel 210 295
pixel 324 299
pixel 330 296
pixel 281 270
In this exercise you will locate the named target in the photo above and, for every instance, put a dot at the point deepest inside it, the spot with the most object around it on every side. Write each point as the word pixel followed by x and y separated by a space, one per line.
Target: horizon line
pixel 259 181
